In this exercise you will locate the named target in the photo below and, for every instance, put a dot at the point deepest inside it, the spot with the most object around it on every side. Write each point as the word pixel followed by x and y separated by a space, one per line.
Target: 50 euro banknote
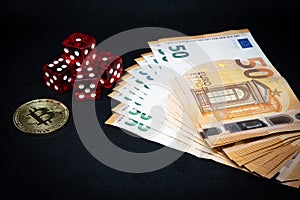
pixel 229 87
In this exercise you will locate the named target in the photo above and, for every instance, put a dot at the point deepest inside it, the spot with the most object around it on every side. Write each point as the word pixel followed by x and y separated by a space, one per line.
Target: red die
pixel 77 46
pixel 86 85
pixel 109 67
pixel 58 75
pixel 111 71
pixel 59 88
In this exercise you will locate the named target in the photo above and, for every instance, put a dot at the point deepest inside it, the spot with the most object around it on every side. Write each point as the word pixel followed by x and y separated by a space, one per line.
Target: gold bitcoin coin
pixel 41 116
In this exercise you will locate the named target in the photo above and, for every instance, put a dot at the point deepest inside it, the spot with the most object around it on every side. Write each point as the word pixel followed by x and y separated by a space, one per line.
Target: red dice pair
pixel 82 67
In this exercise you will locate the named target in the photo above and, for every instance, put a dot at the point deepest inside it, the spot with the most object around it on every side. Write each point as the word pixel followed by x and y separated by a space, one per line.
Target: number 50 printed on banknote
pixel 229 87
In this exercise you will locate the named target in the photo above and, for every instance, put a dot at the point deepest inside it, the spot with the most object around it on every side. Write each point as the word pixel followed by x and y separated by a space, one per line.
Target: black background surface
pixel 59 166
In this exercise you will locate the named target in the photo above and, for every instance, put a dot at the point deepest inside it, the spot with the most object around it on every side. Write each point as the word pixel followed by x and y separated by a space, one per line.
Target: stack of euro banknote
pixel 216 96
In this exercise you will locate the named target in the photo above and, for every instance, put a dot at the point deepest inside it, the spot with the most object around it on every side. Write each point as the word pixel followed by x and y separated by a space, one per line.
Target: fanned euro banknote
pixel 216 96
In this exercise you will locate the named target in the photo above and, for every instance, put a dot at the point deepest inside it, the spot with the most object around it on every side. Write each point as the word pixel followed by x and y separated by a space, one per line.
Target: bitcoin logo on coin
pixel 41 116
